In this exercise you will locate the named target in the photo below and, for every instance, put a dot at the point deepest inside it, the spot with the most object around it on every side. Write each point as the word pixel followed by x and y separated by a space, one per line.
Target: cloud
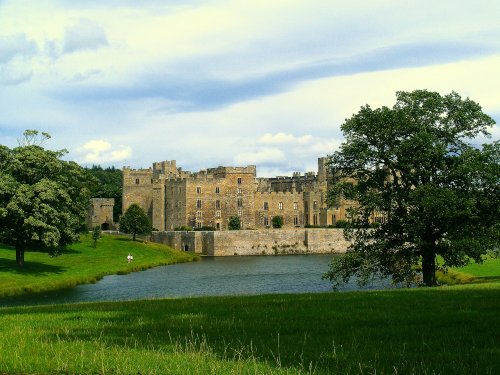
pixel 16 46
pixel 281 138
pixel 203 92
pixel 101 151
pixel 85 35
pixel 78 77
pixel 264 156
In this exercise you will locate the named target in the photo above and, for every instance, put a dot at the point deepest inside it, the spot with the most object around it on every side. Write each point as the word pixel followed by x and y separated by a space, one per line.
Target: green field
pixel 81 263
pixel 448 330
pixel 444 330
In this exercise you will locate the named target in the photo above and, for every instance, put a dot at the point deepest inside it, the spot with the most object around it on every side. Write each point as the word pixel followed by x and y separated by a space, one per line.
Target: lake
pixel 210 276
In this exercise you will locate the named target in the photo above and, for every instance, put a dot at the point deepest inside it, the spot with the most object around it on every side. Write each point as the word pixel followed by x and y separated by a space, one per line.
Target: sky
pixel 234 83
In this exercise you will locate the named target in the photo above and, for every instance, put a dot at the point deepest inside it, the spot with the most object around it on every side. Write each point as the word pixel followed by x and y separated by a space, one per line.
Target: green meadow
pixel 444 330
pixel 81 263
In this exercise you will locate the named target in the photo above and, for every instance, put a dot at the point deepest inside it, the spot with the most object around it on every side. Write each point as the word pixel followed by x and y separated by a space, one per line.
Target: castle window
pixel 217 204
pixel 315 205
pixel 295 206
pixel 239 180
pixel 240 212
pixel 199 214
pixel 315 219
pixel 198 190
pixel 137 181
pixel 266 220
pixel 217 214
pixel 239 191
pixel 151 180
pixel 198 203
pixel 266 206
pixel 217 190
pixel 306 206
pixel 280 205
pixel 295 220
pixel 199 224
pixel 240 202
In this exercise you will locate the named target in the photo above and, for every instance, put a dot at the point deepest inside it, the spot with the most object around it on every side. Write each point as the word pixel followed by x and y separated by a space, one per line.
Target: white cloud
pixel 101 151
pixel 264 156
pixel 84 35
pixel 280 138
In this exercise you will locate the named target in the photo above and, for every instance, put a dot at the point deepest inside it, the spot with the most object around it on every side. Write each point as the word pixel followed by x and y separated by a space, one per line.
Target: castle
pixel 174 198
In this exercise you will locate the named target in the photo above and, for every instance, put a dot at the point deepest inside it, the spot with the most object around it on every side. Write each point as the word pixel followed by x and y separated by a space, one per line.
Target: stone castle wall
pixel 256 242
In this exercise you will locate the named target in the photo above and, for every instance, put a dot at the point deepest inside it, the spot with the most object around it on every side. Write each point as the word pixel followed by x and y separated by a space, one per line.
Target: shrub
pixel 234 223
pixel 341 224
pixel 277 221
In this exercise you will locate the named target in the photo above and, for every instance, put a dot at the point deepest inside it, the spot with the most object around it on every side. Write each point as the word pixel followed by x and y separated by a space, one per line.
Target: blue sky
pixel 230 82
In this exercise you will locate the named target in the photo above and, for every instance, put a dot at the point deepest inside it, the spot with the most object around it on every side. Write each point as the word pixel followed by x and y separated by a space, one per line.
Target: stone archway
pixel 105 226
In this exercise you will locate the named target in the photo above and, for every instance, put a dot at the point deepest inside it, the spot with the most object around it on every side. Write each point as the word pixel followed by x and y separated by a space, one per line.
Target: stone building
pixel 173 198
pixel 100 213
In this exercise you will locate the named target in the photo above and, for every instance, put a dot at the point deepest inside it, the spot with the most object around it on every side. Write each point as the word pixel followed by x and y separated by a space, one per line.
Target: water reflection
pixel 209 276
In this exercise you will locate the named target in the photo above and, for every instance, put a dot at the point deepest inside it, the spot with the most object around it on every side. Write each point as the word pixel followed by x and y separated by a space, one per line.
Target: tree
pixel 234 223
pixel 43 199
pixel 277 221
pixel 96 234
pixel 135 221
pixel 415 164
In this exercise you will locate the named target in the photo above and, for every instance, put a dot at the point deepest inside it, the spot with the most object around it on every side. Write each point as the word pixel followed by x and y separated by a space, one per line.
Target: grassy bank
pixel 449 330
pixel 80 263
pixel 488 271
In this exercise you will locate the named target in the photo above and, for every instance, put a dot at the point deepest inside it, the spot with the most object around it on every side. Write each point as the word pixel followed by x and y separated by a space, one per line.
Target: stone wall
pixel 256 242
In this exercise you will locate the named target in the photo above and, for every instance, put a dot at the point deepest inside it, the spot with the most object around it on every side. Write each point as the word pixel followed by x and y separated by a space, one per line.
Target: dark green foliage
pixel 43 199
pixel 277 221
pixel 205 228
pixel 341 224
pixel 135 221
pixel 96 234
pixel 415 163
pixel 108 184
pixel 234 223
pixel 183 228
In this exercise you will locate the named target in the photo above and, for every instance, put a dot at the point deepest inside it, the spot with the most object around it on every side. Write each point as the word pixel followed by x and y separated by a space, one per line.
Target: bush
pixel 205 228
pixel 341 224
pixel 234 223
pixel 183 228
pixel 277 221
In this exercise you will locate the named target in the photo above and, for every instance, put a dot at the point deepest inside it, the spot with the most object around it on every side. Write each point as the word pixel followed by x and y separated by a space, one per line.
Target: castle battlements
pixel 174 198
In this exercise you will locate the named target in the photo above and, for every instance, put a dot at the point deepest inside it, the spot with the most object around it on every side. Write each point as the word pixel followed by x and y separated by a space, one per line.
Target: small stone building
pixel 101 213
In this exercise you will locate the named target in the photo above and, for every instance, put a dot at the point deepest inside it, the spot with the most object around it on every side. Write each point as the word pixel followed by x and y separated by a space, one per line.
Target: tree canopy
pixel 135 221
pixel 43 199
pixel 416 167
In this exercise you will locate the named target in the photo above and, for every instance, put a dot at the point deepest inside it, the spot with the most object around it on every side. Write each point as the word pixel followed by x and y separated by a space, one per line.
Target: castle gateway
pixel 175 198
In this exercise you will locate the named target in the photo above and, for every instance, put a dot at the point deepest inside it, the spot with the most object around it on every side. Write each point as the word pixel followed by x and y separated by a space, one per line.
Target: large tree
pixel 417 167
pixel 43 199
pixel 135 221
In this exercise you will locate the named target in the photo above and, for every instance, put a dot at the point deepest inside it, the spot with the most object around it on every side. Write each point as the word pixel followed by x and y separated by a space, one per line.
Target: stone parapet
pixel 256 242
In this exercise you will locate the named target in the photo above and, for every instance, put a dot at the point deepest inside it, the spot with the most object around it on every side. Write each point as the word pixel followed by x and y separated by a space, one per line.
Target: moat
pixel 211 276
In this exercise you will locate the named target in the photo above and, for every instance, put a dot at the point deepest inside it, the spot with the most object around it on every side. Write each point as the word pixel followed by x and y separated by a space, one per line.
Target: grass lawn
pixel 81 263
pixel 447 330
pixel 444 330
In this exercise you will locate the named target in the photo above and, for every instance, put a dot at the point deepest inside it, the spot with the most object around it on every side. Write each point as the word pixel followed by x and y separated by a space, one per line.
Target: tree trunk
pixel 429 268
pixel 20 257
pixel 133 239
